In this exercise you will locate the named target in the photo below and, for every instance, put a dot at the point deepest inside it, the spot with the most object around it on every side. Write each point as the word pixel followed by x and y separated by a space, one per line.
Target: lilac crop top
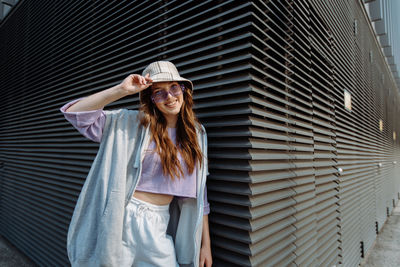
pixel 91 124
pixel 153 180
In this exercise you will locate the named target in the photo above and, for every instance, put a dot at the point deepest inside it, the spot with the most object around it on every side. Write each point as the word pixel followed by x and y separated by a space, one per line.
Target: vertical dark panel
pixel 370 127
pixel 303 134
pixel 325 152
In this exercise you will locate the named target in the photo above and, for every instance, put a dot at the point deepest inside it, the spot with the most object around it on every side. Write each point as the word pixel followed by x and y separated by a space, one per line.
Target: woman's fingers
pixel 147 79
pixel 135 78
pixel 138 80
pixel 135 83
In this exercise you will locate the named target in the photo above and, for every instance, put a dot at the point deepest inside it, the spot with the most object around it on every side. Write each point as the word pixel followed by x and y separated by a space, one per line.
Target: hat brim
pixel 159 78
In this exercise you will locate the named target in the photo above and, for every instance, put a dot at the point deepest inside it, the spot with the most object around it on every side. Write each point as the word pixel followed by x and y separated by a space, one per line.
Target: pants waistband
pixel 150 205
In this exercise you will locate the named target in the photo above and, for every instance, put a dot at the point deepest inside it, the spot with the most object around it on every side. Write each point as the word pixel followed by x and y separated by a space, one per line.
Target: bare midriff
pixel 153 198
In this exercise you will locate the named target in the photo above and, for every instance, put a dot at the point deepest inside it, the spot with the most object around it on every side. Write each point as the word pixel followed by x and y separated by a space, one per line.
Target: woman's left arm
pixel 205 251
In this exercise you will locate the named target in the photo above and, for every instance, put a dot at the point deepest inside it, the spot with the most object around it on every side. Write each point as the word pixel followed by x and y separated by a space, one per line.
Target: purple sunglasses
pixel 162 95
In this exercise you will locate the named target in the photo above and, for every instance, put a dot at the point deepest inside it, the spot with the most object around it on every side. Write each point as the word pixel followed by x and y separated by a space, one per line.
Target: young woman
pixel 144 201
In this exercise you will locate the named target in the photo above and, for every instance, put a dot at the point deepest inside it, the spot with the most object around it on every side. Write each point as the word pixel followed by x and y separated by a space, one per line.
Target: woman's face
pixel 171 106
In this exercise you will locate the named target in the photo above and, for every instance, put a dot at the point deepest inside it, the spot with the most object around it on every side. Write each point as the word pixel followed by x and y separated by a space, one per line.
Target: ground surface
pixel 386 252
pixel 11 256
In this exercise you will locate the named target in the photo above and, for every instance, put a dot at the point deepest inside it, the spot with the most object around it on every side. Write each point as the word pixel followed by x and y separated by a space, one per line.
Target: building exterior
pixel 384 18
pixel 300 106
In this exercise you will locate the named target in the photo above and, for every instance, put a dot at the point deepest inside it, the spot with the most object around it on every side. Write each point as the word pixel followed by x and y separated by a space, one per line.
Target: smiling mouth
pixel 172 104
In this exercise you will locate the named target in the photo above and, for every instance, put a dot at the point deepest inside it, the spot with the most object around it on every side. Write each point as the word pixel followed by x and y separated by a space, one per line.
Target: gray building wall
pixel 295 176
pixel 384 17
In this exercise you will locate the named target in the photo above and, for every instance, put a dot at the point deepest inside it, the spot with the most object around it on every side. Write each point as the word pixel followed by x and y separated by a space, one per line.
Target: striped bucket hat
pixel 165 71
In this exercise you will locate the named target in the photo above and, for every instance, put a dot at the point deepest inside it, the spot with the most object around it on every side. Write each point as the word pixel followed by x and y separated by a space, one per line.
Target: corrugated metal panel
pixel 368 129
pixel 270 194
pixel 324 121
pixel 359 141
pixel 269 87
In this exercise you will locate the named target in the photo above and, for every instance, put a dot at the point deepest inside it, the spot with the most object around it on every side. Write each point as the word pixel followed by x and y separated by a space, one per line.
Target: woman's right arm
pixel 87 115
pixel 132 84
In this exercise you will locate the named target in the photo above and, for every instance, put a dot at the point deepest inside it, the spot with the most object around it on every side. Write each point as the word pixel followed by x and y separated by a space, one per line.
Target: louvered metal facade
pixel 295 177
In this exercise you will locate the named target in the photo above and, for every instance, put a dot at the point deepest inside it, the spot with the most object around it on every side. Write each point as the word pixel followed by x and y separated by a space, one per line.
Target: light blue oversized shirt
pixel 95 231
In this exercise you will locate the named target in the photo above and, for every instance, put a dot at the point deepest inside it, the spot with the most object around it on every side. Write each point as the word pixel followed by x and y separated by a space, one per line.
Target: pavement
pixel 385 253
pixel 10 256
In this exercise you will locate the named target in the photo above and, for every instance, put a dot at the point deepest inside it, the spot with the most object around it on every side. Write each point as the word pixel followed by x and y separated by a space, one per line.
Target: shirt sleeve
pixel 89 123
pixel 206 204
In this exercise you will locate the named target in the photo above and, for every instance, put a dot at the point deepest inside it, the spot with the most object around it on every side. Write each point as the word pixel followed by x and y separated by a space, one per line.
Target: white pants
pixel 145 240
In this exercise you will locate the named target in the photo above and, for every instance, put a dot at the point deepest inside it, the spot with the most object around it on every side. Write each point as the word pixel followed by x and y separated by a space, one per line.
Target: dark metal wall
pixel 295 178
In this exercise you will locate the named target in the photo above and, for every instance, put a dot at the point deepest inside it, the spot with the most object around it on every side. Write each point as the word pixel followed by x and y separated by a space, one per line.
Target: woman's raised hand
pixel 132 84
pixel 135 83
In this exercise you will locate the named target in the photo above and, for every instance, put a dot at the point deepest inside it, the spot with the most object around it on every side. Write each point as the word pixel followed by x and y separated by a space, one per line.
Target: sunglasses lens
pixel 162 95
pixel 176 90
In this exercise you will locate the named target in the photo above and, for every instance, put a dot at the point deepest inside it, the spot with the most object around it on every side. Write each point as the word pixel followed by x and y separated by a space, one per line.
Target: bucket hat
pixel 165 71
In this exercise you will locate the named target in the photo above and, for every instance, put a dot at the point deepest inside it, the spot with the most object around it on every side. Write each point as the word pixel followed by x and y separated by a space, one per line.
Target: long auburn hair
pixel 186 137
